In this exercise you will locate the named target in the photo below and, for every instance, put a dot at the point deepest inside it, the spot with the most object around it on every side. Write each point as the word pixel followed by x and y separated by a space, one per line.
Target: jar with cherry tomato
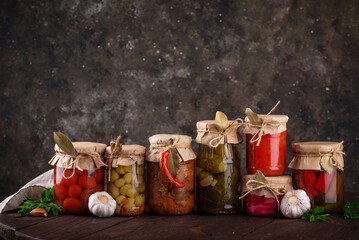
pixel 77 178
pixel 266 145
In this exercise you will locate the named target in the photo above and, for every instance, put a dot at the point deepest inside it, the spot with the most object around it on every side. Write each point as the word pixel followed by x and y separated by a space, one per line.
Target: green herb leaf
pixel 253 117
pixel 314 215
pixel 173 162
pixel 260 177
pixel 221 121
pixel 46 203
pixel 351 211
pixel 64 143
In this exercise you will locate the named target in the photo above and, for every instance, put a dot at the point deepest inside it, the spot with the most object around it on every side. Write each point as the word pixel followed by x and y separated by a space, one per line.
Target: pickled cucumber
pixel 119 182
pixel 124 189
pixel 213 165
pixel 113 190
pixel 204 179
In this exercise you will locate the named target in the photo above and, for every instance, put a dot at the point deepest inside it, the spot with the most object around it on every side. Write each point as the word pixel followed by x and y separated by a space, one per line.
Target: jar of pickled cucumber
pixel 266 145
pixel 218 168
pixel 262 195
pixel 76 178
pixel 127 179
pixel 318 169
pixel 170 175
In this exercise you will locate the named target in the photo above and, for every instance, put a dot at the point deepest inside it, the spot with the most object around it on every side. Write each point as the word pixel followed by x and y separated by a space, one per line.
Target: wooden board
pixel 192 226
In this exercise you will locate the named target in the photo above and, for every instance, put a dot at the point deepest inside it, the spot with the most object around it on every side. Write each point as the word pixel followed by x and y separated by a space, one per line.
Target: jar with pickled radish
pixel 262 195
pixel 318 169
pixel 170 175
pixel 127 178
pixel 78 176
pixel 266 145
pixel 218 168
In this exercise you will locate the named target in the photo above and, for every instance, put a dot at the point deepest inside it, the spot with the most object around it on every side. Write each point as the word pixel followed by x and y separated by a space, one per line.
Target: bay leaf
pixel 260 177
pixel 221 121
pixel 325 163
pixel 253 117
pixel 64 143
pixel 173 162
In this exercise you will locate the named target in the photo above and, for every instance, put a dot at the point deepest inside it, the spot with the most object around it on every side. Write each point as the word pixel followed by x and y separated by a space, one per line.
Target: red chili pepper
pixel 166 171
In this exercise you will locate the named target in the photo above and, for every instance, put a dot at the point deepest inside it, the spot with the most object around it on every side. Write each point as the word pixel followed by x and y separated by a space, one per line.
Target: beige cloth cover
pixel 310 155
pixel 207 132
pixel 129 155
pixel 273 124
pixel 87 162
pixel 32 189
pixel 162 142
pixel 281 184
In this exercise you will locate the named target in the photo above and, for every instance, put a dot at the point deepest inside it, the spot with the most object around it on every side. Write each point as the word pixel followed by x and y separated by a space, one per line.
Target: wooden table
pixel 177 227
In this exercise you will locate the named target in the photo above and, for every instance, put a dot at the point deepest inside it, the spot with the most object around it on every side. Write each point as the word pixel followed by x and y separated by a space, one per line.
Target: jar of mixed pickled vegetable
pixel 318 169
pixel 170 175
pixel 76 178
pixel 127 179
pixel 218 168
pixel 266 145
pixel 262 196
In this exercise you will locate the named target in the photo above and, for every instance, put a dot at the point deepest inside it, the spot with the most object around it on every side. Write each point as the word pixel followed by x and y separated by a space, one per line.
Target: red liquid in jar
pixel 269 156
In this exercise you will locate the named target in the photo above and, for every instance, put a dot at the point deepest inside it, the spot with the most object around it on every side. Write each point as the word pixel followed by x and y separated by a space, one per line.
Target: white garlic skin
pixel 295 204
pixel 101 204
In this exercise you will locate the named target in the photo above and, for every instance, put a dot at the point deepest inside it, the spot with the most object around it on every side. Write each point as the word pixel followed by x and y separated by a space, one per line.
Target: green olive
pixel 120 170
pixel 140 200
pixel 128 177
pixel 131 192
pixel 128 168
pixel 140 169
pixel 139 179
pixel 113 190
pixel 119 199
pixel 124 188
pixel 114 175
pixel 141 187
pixel 119 182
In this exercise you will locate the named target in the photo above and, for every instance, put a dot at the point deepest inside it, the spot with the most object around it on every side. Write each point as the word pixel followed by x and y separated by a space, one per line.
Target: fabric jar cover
pixel 130 154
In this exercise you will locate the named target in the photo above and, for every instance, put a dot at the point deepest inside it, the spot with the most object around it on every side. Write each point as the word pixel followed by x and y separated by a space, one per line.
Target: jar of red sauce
pixel 318 169
pixel 77 178
pixel 262 201
pixel 266 145
pixel 169 192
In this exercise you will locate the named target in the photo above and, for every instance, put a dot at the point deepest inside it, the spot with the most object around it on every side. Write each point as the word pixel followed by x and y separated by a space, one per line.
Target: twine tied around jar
pixel 259 185
pixel 215 142
pixel 333 156
pixel 163 147
pixel 257 137
pixel 116 148
pixel 94 155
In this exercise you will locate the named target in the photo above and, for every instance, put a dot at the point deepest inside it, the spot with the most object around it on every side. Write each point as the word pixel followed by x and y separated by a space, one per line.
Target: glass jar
pixel 218 169
pixel 73 186
pixel 127 180
pixel 72 190
pixel 262 202
pixel 165 196
pixel 269 156
pixel 318 169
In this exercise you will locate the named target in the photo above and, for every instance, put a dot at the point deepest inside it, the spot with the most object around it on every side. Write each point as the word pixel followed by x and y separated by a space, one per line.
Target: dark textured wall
pixel 96 69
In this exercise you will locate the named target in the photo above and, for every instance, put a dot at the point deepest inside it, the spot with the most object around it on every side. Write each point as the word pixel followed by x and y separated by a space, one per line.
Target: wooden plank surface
pixel 192 226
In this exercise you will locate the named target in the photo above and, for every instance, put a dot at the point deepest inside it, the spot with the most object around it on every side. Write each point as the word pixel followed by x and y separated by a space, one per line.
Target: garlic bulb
pixel 101 204
pixel 295 203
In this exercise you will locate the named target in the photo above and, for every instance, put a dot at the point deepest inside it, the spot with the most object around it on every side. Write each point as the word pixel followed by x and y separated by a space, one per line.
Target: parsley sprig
pixel 45 202
pixel 314 215
pixel 351 210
